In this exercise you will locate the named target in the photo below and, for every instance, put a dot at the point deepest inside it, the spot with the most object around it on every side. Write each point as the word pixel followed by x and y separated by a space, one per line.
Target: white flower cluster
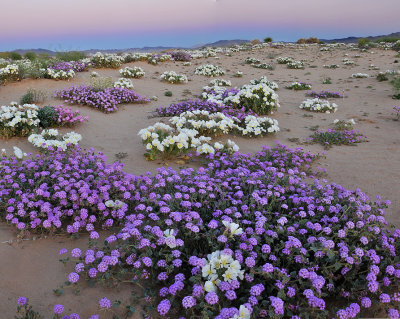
pixel 299 86
pixel 164 139
pixel 264 80
pixel 106 60
pixel 359 75
pixel 351 121
pixel 94 74
pixel 187 63
pixel 347 61
pixel 260 93
pixel 262 66
pixel 173 77
pixel 18 115
pixel 295 65
pixel 220 267
pixel 238 74
pixel 49 138
pixel 9 72
pixel 60 74
pixel 209 70
pixel 135 72
pixel 330 66
pixel 123 83
pixel 258 125
pixel 250 60
pixel 318 105
pixel 284 60
pixel 220 82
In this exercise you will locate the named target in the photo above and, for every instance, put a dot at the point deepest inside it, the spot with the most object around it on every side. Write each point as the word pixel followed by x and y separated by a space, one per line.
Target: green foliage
pixel 363 42
pixel 101 83
pixel 15 56
pixel 32 56
pixel 387 39
pixel 327 81
pixel 47 116
pixel 268 39
pixel 33 96
pixel 307 41
pixel 381 77
pixel 396 83
pixel 70 56
pixel 168 93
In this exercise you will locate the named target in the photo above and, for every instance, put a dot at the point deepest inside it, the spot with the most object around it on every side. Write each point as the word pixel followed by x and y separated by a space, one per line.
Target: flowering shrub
pixel 295 65
pixel 250 60
pixel 173 77
pixel 249 236
pixel 63 190
pixel 284 60
pixel 324 94
pixel 135 72
pixel 209 70
pixel 359 75
pixel 238 74
pixel 180 56
pixel 193 105
pixel 342 134
pixel 106 100
pixel 18 120
pixel 346 61
pixel 60 115
pixel 318 105
pixel 60 74
pixel 9 73
pixel 396 110
pixel 123 83
pixel 331 66
pixel 259 98
pixel 299 86
pixel 49 138
pixel 164 141
pixel 101 60
pixel 262 66
pixel 263 80
pixel 220 82
pixel 157 58
pixel 75 66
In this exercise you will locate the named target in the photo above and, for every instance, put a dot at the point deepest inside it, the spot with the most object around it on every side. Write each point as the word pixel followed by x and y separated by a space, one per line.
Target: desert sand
pixel 31 268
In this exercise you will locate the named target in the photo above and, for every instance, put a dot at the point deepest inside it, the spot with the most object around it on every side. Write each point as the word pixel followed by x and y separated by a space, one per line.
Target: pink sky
pixel 56 22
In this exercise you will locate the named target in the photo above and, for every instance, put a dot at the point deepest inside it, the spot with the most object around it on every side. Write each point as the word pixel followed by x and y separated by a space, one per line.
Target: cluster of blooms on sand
pixel 9 73
pixel 135 72
pixel 173 77
pixel 51 138
pixel 18 120
pixel 299 86
pixel 209 70
pixel 106 100
pixel 60 74
pixel 318 105
pixel 247 236
pixel 258 96
pixel 123 83
pixel 359 75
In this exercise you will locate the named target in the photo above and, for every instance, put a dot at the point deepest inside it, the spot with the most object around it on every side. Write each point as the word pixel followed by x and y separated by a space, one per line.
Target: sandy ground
pixel 31 268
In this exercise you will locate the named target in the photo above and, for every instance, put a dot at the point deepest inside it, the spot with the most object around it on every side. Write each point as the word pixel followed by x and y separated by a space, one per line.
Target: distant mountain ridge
pixel 220 43
pixel 355 39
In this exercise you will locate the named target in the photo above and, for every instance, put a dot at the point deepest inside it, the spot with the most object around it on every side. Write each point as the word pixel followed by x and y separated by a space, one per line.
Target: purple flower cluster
pixel 180 56
pixel 302 243
pixel 337 137
pixel 76 66
pixel 60 190
pixel 193 105
pixel 324 94
pixel 68 117
pixel 106 100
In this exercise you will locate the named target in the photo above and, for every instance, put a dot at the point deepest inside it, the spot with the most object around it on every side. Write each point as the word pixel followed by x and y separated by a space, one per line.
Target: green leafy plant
pixel 47 116
pixel 168 93
pixel 33 96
